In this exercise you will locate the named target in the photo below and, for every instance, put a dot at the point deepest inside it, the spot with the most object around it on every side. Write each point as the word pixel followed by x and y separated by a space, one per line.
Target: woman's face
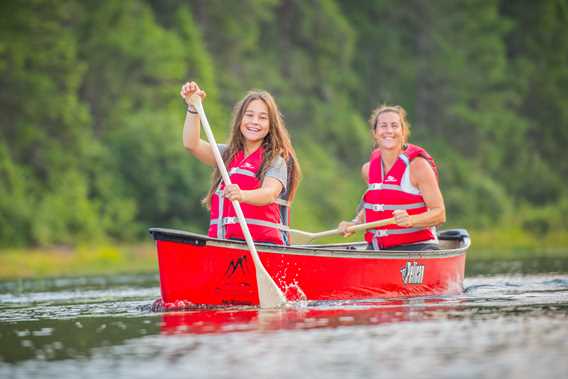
pixel 255 124
pixel 388 132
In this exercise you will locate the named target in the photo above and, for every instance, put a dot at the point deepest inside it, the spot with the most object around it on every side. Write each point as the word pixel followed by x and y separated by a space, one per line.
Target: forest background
pixel 91 118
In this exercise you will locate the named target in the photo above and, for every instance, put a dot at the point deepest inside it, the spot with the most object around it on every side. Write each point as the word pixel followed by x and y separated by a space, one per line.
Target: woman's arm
pixel 191 128
pixel 344 225
pixel 422 176
pixel 266 194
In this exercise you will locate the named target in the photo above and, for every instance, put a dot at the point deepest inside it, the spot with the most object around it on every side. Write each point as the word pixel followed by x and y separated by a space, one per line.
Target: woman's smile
pixel 388 132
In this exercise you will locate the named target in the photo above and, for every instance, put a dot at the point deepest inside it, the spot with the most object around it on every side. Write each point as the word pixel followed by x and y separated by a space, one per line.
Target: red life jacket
pixel 391 191
pixel 267 223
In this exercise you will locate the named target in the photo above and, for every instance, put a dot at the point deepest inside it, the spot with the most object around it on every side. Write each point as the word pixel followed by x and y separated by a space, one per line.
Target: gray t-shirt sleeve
pixel 222 147
pixel 279 170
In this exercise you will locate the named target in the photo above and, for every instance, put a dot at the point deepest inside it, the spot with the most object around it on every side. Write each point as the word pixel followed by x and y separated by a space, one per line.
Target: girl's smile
pixel 255 124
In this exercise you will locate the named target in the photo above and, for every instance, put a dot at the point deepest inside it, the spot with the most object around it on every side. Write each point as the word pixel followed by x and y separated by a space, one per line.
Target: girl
pixel 261 163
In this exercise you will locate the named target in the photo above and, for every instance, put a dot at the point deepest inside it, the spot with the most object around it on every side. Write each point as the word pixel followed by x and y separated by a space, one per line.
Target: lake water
pixel 511 322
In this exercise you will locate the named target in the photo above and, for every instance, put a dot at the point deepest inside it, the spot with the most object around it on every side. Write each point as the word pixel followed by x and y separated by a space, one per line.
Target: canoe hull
pixel 196 269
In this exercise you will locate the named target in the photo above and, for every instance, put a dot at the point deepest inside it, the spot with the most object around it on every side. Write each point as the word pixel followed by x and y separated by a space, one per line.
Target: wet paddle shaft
pixel 269 295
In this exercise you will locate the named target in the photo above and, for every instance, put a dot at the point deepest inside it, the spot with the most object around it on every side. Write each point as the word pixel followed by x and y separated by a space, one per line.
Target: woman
pixel 402 183
pixel 262 166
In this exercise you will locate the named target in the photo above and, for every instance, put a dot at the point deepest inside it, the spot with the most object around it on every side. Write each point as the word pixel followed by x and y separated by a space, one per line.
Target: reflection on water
pixel 312 316
pixel 503 325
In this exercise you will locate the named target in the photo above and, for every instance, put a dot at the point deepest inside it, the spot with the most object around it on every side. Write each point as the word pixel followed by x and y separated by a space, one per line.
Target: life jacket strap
pixel 238 170
pixel 383 186
pixel 250 221
pixel 219 221
pixel 393 207
pixel 389 232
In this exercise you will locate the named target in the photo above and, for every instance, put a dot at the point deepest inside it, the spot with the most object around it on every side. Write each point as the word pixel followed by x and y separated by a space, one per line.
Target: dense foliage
pixel 91 119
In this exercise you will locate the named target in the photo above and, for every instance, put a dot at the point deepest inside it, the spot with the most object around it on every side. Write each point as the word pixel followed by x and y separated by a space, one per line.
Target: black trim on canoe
pixel 461 236
pixel 175 235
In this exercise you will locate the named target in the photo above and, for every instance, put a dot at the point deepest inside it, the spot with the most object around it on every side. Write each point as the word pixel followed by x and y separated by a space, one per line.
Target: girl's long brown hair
pixel 277 142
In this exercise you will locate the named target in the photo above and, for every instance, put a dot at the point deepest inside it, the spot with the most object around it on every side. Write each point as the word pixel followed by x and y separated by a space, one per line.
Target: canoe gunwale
pixel 345 250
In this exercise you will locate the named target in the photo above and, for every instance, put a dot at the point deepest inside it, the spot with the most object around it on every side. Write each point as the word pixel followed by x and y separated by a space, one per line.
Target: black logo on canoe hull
pixel 240 263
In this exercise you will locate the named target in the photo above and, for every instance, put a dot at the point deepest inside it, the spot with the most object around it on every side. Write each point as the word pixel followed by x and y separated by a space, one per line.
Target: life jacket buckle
pixel 378 207
pixel 230 220
pixel 375 186
pixel 381 233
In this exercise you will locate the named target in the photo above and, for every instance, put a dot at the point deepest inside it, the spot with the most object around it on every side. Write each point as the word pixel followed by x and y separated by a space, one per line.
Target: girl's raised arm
pixel 191 128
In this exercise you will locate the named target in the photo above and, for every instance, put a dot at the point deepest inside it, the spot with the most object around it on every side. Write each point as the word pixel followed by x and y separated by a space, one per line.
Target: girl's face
pixel 388 132
pixel 255 124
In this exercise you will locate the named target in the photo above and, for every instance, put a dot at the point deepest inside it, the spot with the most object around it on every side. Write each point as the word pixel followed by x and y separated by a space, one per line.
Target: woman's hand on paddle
pixel 233 192
pixel 402 218
pixel 189 89
pixel 343 226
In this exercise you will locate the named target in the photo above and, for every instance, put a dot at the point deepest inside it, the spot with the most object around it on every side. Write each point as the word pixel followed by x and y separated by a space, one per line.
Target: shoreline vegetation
pixel 112 259
pixel 90 133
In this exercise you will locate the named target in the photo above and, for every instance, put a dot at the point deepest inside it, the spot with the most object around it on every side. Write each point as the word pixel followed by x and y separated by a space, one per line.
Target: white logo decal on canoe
pixel 412 273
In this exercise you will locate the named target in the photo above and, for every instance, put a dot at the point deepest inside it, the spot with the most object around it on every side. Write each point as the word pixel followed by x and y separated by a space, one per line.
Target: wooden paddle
pixel 300 237
pixel 269 295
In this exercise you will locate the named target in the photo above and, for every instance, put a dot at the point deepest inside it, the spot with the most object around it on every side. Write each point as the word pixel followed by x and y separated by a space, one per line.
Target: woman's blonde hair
pixel 395 109
pixel 276 143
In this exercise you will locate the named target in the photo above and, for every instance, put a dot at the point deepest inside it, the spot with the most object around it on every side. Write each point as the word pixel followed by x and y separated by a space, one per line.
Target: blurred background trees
pixel 91 119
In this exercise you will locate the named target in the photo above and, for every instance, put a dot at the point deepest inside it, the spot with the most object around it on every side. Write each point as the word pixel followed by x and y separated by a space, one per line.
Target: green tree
pixel 44 121
pixel 538 51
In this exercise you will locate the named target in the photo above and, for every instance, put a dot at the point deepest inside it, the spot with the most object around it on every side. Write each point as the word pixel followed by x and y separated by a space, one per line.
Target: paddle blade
pixel 269 295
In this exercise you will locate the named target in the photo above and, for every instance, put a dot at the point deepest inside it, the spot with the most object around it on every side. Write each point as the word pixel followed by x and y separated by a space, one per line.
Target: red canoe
pixel 196 269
